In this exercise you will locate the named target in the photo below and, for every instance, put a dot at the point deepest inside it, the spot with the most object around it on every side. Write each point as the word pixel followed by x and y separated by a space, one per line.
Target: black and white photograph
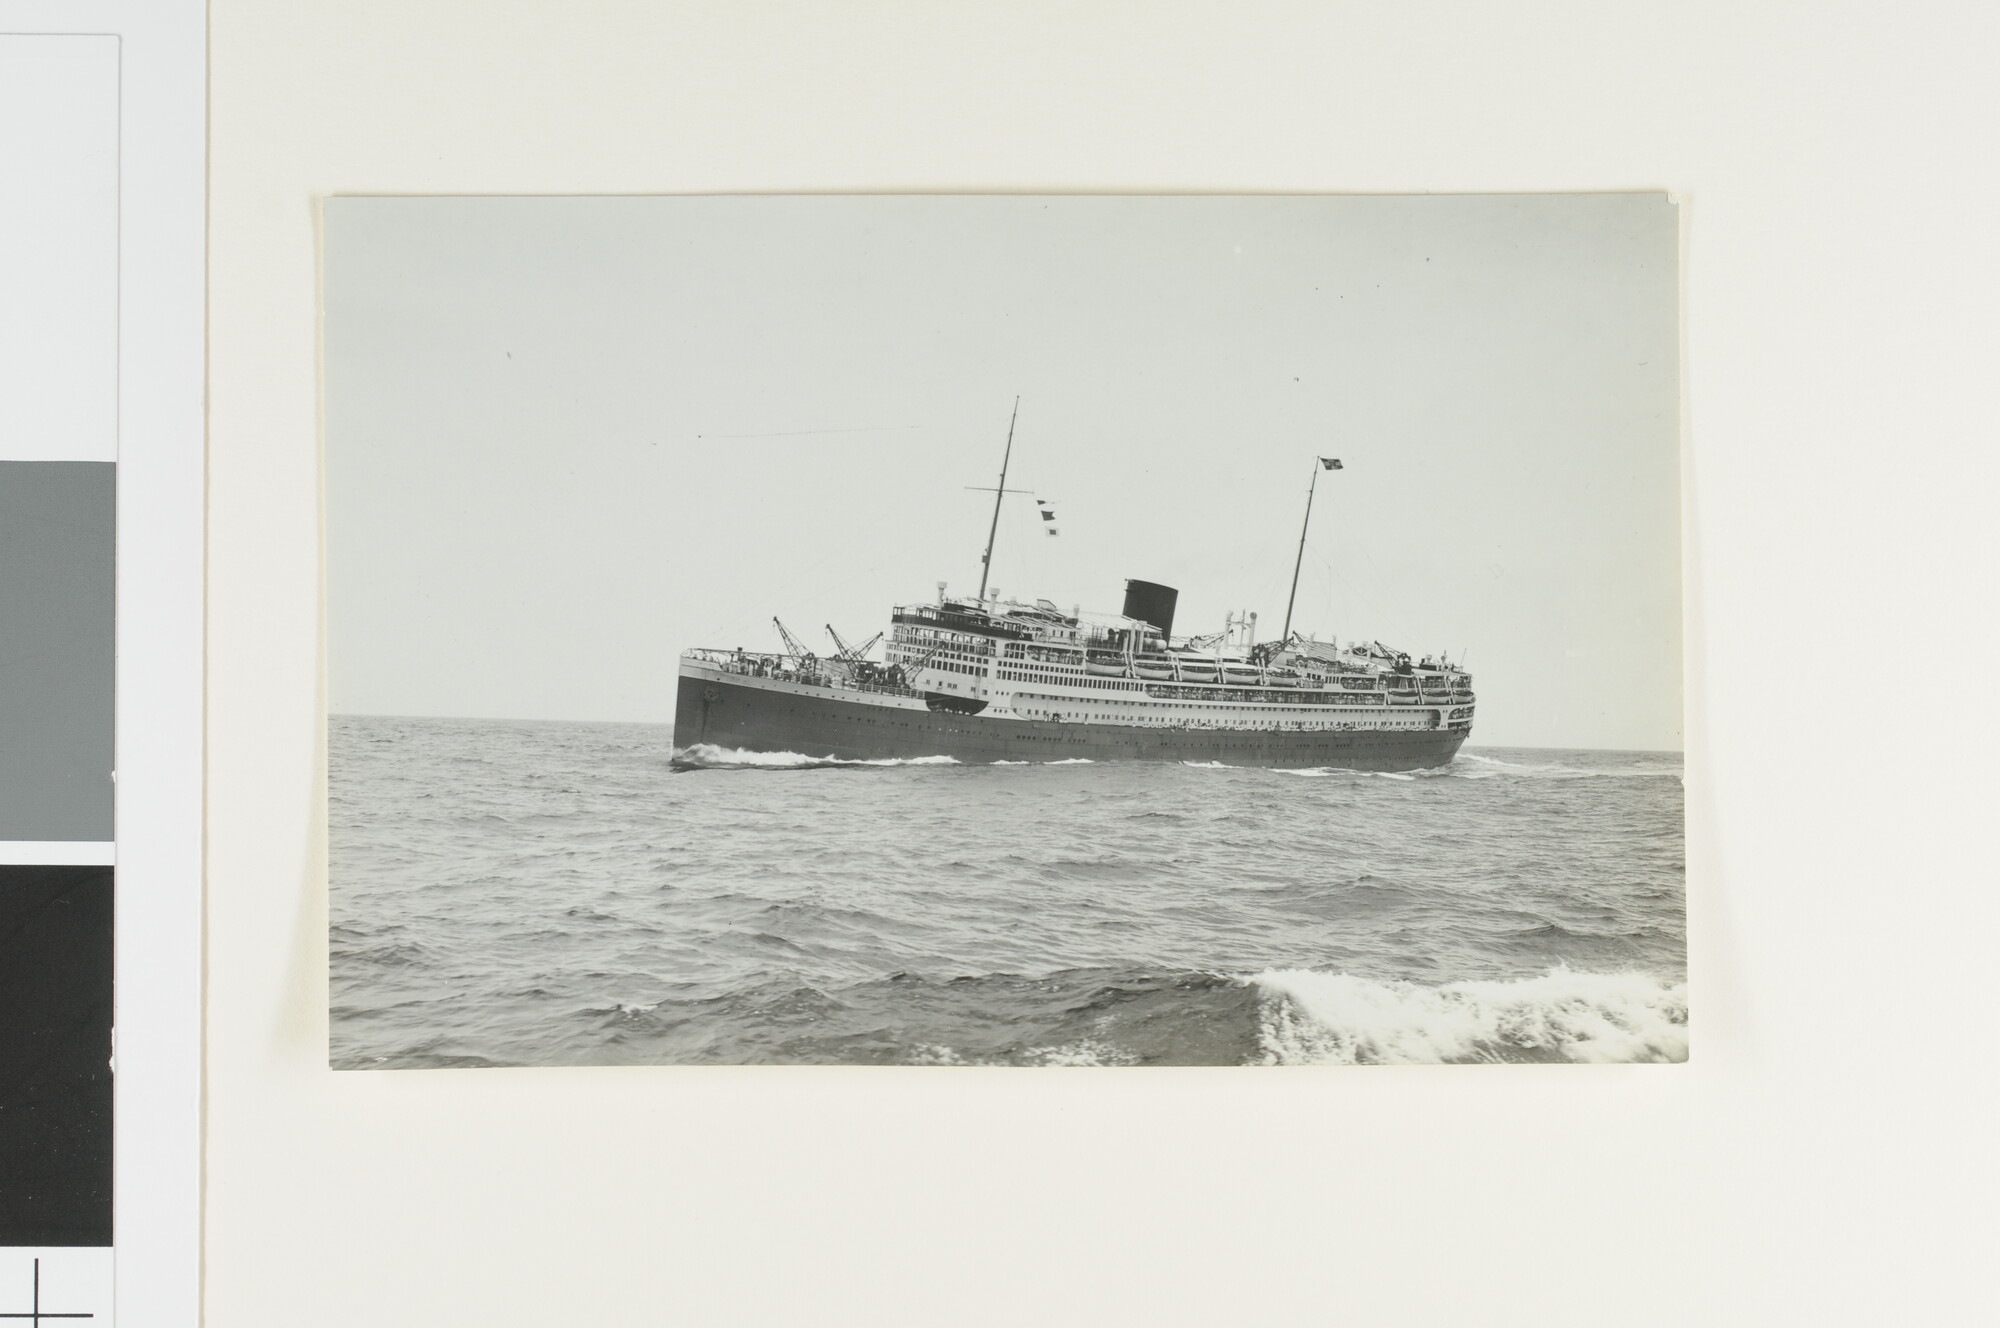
pixel 1004 630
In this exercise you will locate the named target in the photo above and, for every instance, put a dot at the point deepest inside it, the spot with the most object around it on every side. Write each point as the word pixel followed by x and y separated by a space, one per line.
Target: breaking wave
pixel 1313 1018
pixel 707 756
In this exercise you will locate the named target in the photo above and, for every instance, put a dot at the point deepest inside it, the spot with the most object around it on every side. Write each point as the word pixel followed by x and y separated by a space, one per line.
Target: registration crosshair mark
pixel 37 1314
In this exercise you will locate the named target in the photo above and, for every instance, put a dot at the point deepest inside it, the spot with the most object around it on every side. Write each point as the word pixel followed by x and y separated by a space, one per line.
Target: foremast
pixel 999 495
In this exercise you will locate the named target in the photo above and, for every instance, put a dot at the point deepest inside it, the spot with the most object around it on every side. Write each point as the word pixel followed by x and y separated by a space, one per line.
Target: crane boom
pixel 910 669
pixel 852 654
pixel 793 645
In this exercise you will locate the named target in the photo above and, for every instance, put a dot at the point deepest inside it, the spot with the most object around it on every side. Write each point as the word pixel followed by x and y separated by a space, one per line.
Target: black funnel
pixel 1153 603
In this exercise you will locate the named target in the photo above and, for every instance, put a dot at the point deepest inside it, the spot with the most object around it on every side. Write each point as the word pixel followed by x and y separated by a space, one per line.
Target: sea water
pixel 514 893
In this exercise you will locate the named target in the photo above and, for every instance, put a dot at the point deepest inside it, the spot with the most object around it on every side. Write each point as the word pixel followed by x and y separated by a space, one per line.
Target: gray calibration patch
pixel 56 649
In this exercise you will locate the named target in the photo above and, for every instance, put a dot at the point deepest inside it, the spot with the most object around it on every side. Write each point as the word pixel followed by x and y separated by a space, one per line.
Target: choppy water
pixel 551 894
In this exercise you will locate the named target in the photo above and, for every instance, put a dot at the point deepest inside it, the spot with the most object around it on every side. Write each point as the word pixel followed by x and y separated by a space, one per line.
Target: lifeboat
pixel 1238 671
pixel 1197 670
pixel 1106 666
pixel 1156 668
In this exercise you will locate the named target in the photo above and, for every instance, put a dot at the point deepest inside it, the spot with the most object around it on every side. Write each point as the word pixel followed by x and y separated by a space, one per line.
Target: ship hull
pixel 825 722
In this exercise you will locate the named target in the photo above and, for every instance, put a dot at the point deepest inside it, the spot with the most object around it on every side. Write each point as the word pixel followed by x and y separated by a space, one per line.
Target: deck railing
pixel 807 670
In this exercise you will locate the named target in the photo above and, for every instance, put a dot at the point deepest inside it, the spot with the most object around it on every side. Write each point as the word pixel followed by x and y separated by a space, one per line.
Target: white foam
pixel 1468 766
pixel 710 757
pixel 1323 771
pixel 1313 1018
pixel 1491 760
pixel 1087 1052
pixel 1207 765
pixel 1073 760
pixel 934 1054
pixel 622 1010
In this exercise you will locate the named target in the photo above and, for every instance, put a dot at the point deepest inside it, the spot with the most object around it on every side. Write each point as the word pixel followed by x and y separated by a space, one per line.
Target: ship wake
pixel 707 756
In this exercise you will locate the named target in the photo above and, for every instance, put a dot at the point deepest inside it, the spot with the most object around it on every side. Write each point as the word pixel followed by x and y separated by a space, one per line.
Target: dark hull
pixel 730 715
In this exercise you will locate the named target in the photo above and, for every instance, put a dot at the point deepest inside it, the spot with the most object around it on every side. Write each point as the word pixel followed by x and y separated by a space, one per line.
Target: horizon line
pixel 668 724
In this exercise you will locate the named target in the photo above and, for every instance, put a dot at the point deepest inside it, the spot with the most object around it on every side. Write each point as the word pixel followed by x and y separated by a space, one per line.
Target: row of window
pixel 1044 675
pixel 1233 717
pixel 956 661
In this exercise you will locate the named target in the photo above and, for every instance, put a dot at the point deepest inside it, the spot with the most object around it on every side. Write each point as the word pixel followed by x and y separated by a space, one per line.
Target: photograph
pixel 1003 630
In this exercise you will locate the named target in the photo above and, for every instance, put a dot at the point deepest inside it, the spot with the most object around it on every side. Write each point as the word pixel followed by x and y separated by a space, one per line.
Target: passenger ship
pixel 984 679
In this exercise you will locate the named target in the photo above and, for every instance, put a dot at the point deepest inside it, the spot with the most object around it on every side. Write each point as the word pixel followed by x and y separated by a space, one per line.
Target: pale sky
pixel 567 438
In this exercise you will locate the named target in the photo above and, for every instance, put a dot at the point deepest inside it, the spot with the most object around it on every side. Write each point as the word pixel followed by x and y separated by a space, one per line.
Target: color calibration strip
pixel 59 160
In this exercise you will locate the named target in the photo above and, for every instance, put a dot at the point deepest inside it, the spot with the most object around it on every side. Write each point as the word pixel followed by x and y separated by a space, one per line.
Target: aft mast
pixel 1325 463
pixel 986 558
